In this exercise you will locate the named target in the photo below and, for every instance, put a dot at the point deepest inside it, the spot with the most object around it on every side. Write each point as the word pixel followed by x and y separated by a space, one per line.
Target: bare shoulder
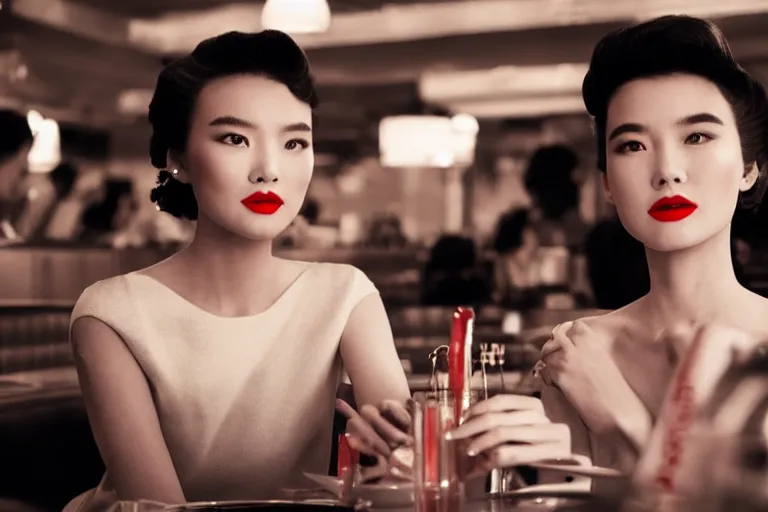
pixel 605 327
pixel 162 270
pixel 750 324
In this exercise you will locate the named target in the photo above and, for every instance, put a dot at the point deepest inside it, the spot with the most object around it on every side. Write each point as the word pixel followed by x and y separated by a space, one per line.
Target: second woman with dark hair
pixel 682 138
pixel 212 375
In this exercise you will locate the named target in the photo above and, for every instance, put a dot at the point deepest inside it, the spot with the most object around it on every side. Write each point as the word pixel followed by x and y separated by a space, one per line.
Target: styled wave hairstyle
pixel 680 44
pixel 269 53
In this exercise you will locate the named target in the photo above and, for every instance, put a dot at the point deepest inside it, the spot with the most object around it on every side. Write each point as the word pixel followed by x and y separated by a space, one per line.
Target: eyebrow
pixel 686 121
pixel 236 121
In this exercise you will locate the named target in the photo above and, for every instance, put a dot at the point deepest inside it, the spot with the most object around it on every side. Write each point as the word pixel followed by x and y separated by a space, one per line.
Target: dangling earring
pixel 175 173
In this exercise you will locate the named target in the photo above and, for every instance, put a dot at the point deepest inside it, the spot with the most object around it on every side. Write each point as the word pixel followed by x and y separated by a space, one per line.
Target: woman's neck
pixel 697 284
pixel 226 267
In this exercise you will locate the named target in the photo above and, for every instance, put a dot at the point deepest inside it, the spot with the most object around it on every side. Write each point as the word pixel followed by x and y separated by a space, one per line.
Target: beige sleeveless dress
pixel 246 404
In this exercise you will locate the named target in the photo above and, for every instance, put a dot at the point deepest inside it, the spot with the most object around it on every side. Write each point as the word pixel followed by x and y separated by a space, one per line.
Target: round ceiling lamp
pixel 296 16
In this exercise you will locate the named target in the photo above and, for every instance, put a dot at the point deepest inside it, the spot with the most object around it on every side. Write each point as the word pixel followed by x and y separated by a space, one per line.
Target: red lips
pixel 672 209
pixel 263 203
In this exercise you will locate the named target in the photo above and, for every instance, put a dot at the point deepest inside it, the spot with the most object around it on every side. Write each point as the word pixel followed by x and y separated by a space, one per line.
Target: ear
pixel 176 166
pixel 749 179
pixel 607 189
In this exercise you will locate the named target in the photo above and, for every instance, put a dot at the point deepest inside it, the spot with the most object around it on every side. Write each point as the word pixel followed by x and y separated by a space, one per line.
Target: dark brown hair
pixel 680 44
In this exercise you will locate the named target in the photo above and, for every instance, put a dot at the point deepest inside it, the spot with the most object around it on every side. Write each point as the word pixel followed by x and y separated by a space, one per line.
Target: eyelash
pixel 624 148
pixel 304 144
pixel 230 137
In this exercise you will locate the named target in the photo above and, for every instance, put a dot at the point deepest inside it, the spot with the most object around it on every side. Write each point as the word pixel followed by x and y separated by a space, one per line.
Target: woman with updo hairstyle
pixel 682 141
pixel 212 375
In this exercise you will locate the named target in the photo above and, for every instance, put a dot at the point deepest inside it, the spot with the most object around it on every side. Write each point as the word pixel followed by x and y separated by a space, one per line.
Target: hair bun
pixel 174 197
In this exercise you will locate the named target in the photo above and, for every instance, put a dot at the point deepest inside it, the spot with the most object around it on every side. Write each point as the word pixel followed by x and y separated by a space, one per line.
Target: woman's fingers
pixel 505 456
pixel 546 376
pixel 386 431
pixel 561 338
pixel 488 422
pixel 396 413
pixel 363 436
pixel 505 402
pixel 345 409
pixel 357 444
pixel 549 434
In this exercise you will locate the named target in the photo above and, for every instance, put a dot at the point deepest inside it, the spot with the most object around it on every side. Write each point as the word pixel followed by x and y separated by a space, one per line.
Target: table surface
pixel 318 500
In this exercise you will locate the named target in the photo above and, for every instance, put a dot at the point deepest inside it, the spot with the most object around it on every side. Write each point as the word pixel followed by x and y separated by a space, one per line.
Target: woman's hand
pixel 578 361
pixel 576 358
pixel 377 431
pixel 511 430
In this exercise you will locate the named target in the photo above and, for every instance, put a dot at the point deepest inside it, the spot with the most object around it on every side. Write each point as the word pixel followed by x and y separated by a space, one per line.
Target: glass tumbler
pixel 440 465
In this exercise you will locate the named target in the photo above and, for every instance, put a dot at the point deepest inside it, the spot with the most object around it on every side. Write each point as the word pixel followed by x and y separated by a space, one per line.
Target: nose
pixel 669 169
pixel 265 169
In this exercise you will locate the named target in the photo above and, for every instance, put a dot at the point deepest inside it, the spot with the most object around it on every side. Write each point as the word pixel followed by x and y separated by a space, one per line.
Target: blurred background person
pixel 15 143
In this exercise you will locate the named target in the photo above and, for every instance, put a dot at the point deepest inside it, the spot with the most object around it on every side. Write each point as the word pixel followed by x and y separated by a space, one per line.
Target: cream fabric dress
pixel 246 404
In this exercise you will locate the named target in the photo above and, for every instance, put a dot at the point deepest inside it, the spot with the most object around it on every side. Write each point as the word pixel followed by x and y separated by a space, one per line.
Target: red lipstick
pixel 263 203
pixel 672 209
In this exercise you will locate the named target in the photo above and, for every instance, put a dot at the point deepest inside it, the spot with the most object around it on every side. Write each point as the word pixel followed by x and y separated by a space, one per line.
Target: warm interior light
pixel 427 141
pixel 438 87
pixel 496 108
pixel 34 119
pixel 296 16
pixel 45 153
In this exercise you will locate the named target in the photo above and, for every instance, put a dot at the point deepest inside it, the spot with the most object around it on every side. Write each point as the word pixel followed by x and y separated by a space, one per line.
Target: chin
pixel 251 226
pixel 262 231
pixel 671 240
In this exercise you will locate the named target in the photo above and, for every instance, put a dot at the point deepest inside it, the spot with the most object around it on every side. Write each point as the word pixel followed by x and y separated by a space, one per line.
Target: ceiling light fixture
pixel 296 16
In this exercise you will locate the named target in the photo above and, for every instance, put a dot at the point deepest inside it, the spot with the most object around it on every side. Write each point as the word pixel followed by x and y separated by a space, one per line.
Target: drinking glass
pixel 440 465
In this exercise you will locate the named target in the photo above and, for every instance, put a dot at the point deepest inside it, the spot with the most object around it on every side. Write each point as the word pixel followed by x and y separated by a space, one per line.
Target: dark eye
pixel 631 146
pixel 697 138
pixel 296 143
pixel 234 139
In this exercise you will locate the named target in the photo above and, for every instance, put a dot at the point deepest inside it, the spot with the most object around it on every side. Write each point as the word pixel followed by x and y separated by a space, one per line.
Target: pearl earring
pixel 175 172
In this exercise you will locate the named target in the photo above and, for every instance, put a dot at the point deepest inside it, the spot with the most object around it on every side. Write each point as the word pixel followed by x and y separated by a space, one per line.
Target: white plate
pixel 381 495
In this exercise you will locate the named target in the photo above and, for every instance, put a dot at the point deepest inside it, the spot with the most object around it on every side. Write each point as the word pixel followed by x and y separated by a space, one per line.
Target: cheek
pixel 721 167
pixel 298 172
pixel 219 171
pixel 628 182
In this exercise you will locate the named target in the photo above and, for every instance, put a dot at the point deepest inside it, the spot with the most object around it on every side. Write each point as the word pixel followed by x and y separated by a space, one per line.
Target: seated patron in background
pixel 682 138
pixel 549 180
pixel 15 144
pixel 539 250
pixel 517 265
pixel 48 191
pixel 451 276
